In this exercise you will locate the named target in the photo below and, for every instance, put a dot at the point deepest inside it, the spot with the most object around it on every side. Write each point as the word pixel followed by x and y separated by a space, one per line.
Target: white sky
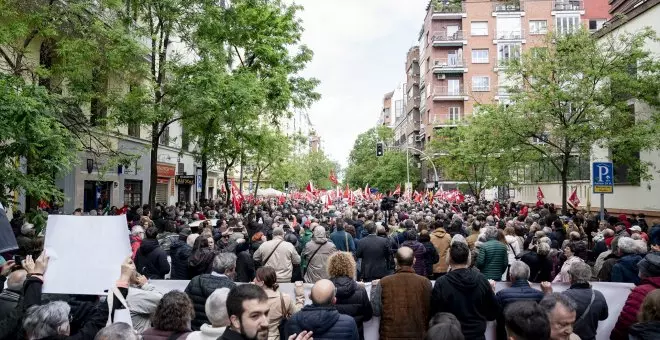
pixel 360 51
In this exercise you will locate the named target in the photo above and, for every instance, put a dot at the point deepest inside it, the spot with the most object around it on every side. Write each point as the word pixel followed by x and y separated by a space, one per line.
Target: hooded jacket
pixel 467 294
pixel 625 270
pixel 199 289
pixel 630 309
pixel 441 241
pixel 179 253
pixel 320 249
pixel 420 256
pixel 352 300
pixel 151 260
pixel 645 331
pixel 325 321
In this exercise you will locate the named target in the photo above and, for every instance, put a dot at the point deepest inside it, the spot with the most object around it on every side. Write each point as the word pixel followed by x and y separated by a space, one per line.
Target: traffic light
pixel 435 185
pixel 379 149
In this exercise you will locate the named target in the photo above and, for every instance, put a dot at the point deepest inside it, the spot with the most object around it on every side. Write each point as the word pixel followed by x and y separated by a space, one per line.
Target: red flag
pixel 496 209
pixel 367 191
pixel 333 178
pixel 524 210
pixel 397 191
pixel 347 192
pixel 282 199
pixel 574 201
pixel 539 194
pixel 236 197
pixel 310 187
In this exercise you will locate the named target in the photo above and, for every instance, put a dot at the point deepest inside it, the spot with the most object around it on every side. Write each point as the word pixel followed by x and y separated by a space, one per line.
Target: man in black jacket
pixel 180 252
pixel 10 296
pixel 466 293
pixel 202 286
pixel 373 251
pixel 151 259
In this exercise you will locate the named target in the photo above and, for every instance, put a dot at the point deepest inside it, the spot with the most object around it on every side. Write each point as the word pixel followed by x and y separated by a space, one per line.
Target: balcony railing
pixel 446 119
pixel 454 62
pixel 508 6
pixel 448 91
pixel 443 36
pixel 449 8
pixel 510 35
pixel 568 5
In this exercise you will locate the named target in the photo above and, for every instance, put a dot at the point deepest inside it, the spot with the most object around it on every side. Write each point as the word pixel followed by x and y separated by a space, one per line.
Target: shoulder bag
pixel 271 254
pixel 586 311
pixel 284 320
pixel 310 259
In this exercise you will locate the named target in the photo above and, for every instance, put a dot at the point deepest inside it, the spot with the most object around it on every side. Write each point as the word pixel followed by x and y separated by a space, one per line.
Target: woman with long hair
pixel 172 318
pixel 352 298
pixel 201 258
pixel 279 303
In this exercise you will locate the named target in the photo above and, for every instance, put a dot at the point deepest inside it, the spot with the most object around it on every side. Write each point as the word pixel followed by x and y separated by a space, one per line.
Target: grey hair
pixel 278 231
pixel 458 238
pixel 26 228
pixel 117 331
pixel 191 239
pixel 547 230
pixel 543 249
pixel 551 300
pixel 93 213
pixel 137 230
pixel 491 233
pixel 627 245
pixel 216 308
pixel 640 246
pixel 16 279
pixel 545 240
pixel 579 272
pixel 224 261
pixel 46 320
pixel 519 271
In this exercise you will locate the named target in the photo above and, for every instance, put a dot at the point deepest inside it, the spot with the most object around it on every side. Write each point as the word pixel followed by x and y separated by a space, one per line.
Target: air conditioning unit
pixel 440 76
pixel 419 138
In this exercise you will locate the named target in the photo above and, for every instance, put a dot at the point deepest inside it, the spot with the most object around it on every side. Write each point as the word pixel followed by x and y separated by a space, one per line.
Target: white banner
pixel 615 295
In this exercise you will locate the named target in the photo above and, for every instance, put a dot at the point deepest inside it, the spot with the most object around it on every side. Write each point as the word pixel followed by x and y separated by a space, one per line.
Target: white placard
pixel 86 253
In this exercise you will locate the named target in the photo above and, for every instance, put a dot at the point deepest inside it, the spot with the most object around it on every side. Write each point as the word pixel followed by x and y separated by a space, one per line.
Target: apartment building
pixel 462 48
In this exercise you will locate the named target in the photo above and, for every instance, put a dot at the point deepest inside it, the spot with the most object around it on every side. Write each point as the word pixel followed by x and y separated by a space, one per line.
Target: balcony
pixel 449 65
pixel 507 6
pixel 449 11
pixel 568 6
pixel 445 120
pixel 441 39
pixel 445 93
pixel 506 36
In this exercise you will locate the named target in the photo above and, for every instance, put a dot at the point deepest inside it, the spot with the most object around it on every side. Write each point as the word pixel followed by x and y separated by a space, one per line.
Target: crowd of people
pixel 432 269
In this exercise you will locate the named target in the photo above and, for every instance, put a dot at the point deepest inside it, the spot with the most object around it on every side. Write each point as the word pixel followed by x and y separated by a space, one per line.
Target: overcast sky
pixel 359 54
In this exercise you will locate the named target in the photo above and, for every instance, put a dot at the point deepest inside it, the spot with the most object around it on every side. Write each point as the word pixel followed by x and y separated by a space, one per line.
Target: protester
pixel 321 317
pixel 118 331
pixel 648 327
pixel 10 295
pixel 526 320
pixel 441 240
pixel 279 255
pixel 649 273
pixel 150 259
pixel 316 255
pixel 142 300
pixel 202 286
pixel 431 256
pixel 281 305
pixel 172 318
pixel 342 240
pixel 201 258
pixel 625 269
pixel 351 297
pixel 540 265
pixel 569 251
pixel 137 235
pixel 514 245
pixel 560 310
pixel 180 252
pixel 216 311
pixel 492 258
pixel 372 250
pixel 444 326
pixel 419 251
pixel 466 293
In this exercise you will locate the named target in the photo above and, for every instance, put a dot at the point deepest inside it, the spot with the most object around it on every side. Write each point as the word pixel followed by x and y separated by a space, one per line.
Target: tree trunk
pixel 153 179
pixel 256 186
pixel 226 184
pixel 205 169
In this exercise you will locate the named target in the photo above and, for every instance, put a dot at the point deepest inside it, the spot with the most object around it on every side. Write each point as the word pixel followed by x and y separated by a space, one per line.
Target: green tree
pixel 385 172
pixel 574 93
pixel 269 148
pixel 298 170
pixel 58 59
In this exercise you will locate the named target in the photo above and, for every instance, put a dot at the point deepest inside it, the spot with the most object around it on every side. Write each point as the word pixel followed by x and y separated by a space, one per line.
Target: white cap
pixel 636 228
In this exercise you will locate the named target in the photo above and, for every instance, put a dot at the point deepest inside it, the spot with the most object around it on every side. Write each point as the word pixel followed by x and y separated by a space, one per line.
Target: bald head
pixel 405 257
pixel 15 280
pixel 323 293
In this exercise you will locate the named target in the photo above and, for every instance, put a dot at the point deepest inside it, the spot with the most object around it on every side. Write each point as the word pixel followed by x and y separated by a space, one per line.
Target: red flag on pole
pixel 539 194
pixel 367 191
pixel 310 187
pixel 347 192
pixel 496 209
pixel 236 197
pixel 333 177
pixel 574 201
pixel 397 191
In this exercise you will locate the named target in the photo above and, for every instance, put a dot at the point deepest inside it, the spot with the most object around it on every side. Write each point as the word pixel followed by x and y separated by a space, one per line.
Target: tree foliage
pixel 575 93
pixel 299 169
pixel 385 172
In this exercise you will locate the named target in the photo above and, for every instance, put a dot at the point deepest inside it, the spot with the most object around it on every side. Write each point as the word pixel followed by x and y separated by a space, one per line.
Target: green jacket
pixel 492 259
pixel 306 237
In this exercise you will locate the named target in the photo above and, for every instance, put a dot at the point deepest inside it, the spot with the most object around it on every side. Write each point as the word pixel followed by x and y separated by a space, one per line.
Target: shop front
pixel 184 183
pixel 165 175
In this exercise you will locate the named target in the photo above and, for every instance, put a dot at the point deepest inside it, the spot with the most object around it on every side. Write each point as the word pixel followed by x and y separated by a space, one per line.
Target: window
pixel 480 83
pixel 567 24
pixel 454 115
pixel 165 137
pixel 134 130
pixel 479 28
pixel 398 108
pixel 538 26
pixel 132 192
pixel 480 56
pixel 506 52
pixel 596 24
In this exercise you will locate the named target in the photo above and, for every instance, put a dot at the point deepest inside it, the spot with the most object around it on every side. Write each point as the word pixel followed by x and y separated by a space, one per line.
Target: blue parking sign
pixel 602 178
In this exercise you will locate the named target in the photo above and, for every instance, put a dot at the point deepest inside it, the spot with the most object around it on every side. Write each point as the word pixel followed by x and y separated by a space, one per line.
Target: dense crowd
pixel 464 248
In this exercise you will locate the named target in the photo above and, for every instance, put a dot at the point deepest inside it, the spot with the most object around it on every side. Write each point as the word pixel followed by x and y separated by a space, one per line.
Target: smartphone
pixel 18 259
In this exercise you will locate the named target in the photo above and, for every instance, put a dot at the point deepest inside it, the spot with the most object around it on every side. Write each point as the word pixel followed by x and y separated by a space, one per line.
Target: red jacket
pixel 136 241
pixel 628 315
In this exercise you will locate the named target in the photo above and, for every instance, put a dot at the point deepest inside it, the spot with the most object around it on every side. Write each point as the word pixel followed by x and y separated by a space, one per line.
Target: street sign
pixel 199 183
pixel 602 178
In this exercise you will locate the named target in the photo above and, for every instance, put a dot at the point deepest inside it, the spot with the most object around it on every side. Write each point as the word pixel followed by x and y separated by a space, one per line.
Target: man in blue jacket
pixel 519 291
pixel 342 240
pixel 321 317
